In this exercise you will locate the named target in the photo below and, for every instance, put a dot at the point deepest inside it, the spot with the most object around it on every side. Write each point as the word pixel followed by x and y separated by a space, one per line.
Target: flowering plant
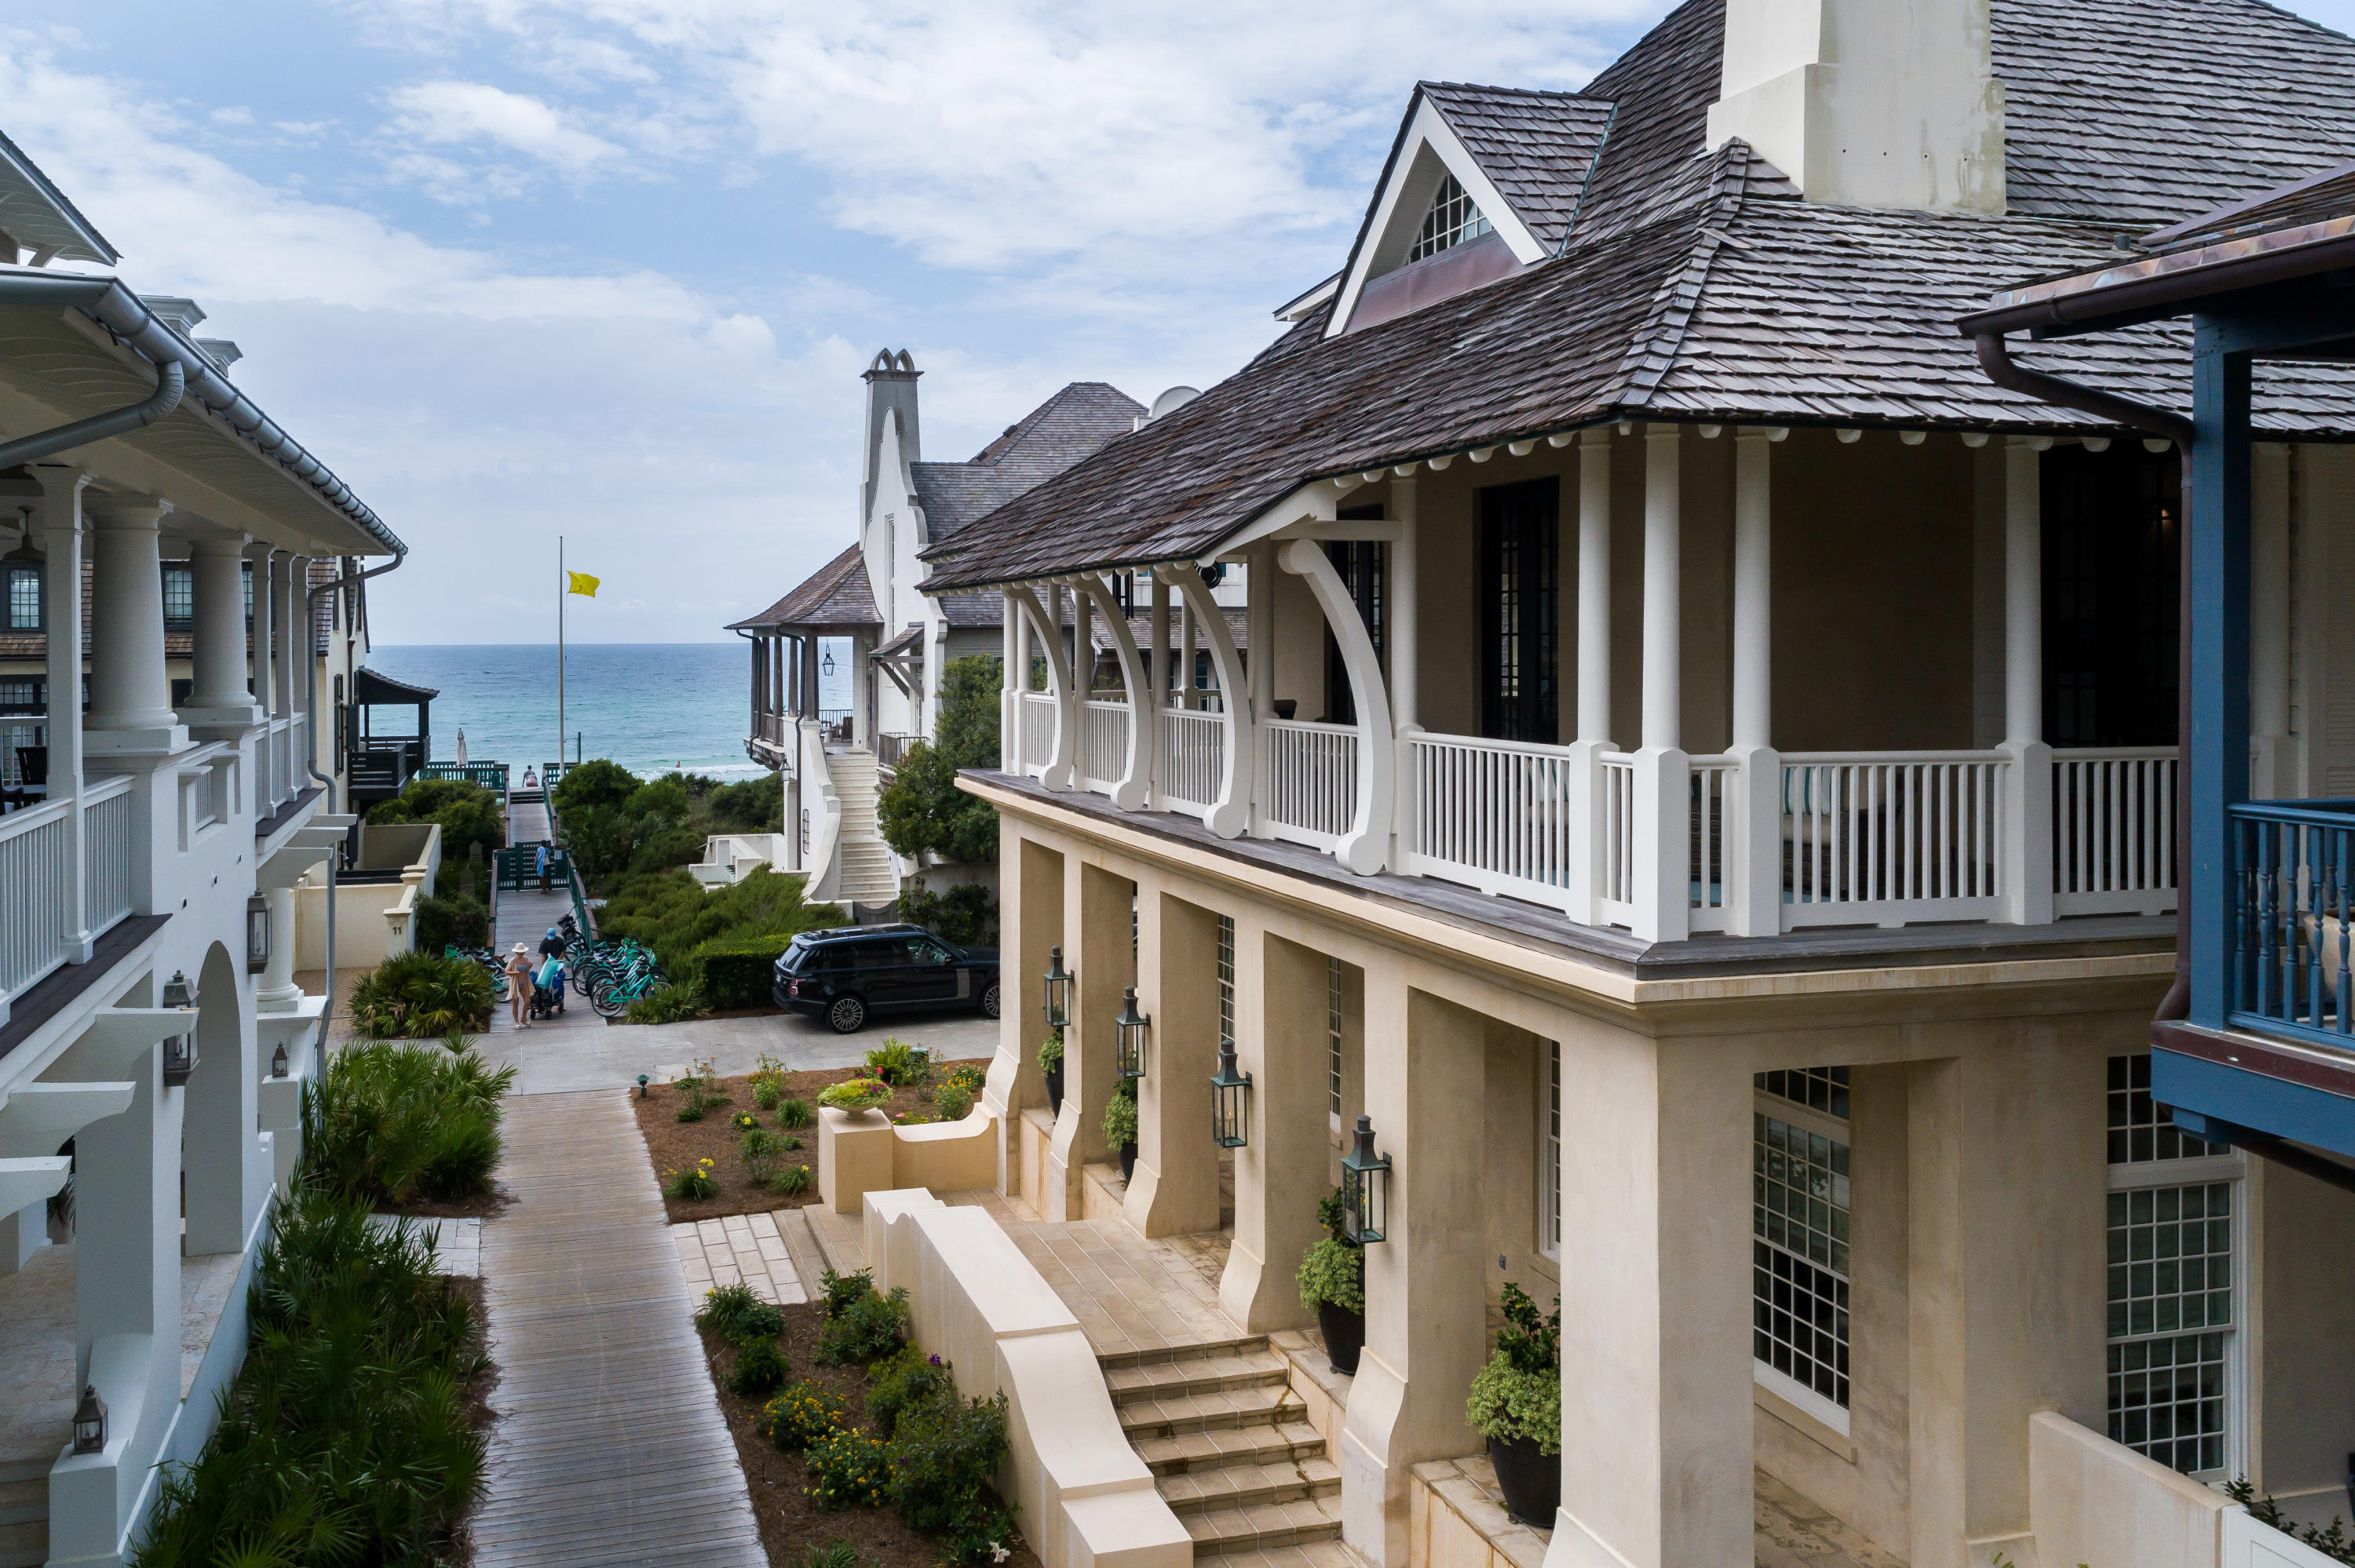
pixel 857 1095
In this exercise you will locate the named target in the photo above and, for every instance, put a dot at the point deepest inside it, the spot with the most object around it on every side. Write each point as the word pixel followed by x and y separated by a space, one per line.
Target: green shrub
pixel 1120 1116
pixel 694 1181
pixel 390 1123
pixel 734 1313
pixel 869 1328
pixel 902 1381
pixel 965 914
pixel 790 1143
pixel 468 813
pixel 691 1111
pixel 849 1467
pixel 1517 1395
pixel 752 805
pixel 740 971
pixel 793 1114
pixel 923 809
pixel 347 1436
pixel 857 1095
pixel 792 1182
pixel 758 1148
pixel 1051 1052
pixel 899 1064
pixel 952 1102
pixel 801 1415
pixel 673 914
pixel 761 1369
pixel 842 1290
pixel 944 1451
pixel 766 1094
pixel 1333 1274
pixel 452 921
pixel 596 782
pixel 2334 1542
pixel 671 1004
pixel 834 1555
pixel 419 996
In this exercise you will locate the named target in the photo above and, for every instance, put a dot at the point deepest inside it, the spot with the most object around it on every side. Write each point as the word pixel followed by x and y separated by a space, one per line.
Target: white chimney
pixel 1887 103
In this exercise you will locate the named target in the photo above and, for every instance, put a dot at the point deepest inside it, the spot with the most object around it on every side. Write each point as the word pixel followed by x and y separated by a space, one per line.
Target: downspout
pixel 311 761
pixel 170 382
pixel 1995 359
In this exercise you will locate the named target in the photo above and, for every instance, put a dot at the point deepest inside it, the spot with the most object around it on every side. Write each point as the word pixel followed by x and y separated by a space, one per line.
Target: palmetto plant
pixel 417 996
pixel 393 1123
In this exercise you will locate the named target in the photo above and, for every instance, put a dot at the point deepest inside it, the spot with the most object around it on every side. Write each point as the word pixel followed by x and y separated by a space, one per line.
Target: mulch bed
pixel 791 1524
pixel 673 1144
pixel 485 1205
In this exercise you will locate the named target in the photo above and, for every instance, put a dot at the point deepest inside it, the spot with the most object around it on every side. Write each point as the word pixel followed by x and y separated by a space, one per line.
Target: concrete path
pixel 610 1447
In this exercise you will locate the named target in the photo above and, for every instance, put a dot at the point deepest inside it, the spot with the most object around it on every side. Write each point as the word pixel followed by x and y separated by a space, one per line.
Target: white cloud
pixel 465 114
pixel 232 116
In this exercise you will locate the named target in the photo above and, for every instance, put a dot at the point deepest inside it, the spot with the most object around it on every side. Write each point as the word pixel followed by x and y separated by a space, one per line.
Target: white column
pixel 219 696
pixel 1156 675
pixel 1663 771
pixel 62 543
pixel 301 650
pixel 1403 630
pixel 1009 634
pixel 262 638
pixel 1186 696
pixel 282 634
pixel 130 689
pixel 277 992
pixel 2028 781
pixel 1593 720
pixel 2269 621
pixel 1258 669
pixel 1753 810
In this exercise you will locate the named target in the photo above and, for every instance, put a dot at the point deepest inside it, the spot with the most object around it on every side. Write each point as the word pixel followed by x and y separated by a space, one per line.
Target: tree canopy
pixel 923 809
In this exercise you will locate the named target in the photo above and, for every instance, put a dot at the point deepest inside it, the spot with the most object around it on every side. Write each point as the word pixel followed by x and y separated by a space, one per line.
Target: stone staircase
pixel 1230 1451
pixel 869 873
pixel 24 1513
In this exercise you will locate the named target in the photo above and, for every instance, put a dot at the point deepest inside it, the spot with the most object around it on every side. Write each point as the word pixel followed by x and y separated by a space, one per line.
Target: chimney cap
pixel 889 362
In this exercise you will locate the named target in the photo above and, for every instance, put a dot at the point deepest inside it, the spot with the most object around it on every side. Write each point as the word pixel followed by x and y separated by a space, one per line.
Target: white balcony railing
pixel 1492 814
pixel 36 891
pixel 2114 830
pixel 1887 837
pixel 1193 758
pixel 1311 793
pixel 1714 780
pixel 106 851
pixel 1104 745
pixel 1035 714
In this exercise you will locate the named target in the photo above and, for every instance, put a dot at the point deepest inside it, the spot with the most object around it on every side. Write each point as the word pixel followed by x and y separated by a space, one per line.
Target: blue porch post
pixel 2217 749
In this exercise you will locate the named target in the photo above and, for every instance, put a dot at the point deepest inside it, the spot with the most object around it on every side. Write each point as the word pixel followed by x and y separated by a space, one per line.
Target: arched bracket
pixel 1137 782
pixel 1231 815
pixel 1364 848
pixel 1060 773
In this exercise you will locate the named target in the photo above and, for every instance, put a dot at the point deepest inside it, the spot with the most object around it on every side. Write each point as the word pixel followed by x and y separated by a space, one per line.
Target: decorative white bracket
pixel 1231 814
pixel 1060 774
pixel 1364 848
pixel 1136 781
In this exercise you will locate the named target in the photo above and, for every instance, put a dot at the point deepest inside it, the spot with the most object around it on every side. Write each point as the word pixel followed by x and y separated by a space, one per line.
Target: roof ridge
pixel 1648 360
pixel 1517 91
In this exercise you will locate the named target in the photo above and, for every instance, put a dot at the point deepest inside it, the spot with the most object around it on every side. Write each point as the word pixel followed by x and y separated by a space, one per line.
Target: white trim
pixel 1427 129
pixel 2229 1166
pixel 1794 1393
pixel 1790 1113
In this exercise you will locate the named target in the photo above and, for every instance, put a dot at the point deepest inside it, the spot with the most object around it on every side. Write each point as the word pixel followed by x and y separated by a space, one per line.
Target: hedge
pixel 738 971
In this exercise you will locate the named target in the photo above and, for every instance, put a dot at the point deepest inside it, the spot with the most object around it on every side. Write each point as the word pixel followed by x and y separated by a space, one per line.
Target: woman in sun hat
pixel 519 985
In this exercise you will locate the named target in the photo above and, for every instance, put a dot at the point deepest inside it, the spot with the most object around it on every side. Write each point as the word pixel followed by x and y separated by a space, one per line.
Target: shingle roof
pixel 1076 422
pixel 1537 147
pixel 1693 287
pixel 836 594
pixel 2314 199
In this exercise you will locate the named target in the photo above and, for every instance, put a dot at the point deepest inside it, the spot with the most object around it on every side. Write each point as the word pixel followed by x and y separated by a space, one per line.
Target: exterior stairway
pixel 24 1513
pixel 870 874
pixel 1230 1451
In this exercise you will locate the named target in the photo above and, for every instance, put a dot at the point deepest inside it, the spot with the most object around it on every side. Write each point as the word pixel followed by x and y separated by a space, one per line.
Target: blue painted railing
pixel 2292 949
pixel 491 775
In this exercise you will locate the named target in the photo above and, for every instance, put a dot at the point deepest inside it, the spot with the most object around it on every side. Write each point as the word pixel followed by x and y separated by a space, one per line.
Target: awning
pixel 370 688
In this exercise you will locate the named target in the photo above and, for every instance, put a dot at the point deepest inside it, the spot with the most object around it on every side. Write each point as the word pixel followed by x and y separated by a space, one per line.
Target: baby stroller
pixel 548 989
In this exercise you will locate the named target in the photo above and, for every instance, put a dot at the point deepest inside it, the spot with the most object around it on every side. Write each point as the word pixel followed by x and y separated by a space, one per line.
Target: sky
pixel 610 269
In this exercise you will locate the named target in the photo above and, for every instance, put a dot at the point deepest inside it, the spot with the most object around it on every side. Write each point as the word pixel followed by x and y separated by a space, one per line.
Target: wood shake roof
pixel 1694 285
pixel 835 595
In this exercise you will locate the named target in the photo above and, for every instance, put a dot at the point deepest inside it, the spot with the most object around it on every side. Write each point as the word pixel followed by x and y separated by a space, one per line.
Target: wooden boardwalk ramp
pixel 609 1447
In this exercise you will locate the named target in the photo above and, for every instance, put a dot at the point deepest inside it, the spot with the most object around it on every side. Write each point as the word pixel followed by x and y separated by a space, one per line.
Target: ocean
pixel 649 706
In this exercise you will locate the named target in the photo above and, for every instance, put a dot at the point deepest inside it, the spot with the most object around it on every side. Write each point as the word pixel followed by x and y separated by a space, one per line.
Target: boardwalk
pixel 525 917
pixel 610 1448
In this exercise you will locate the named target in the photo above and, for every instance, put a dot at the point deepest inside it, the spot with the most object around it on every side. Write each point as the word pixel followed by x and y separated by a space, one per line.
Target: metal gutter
pixel 170 383
pixel 122 312
pixel 2149 287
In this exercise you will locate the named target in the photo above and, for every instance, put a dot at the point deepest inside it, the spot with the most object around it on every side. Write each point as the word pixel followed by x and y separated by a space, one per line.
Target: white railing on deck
pixel 106 851
pixel 1492 814
pixel 1892 837
pixel 1104 745
pixel 1193 758
pixel 298 756
pixel 2114 830
pixel 1712 872
pixel 1037 712
pixel 1312 781
pixel 36 893
pixel 1614 839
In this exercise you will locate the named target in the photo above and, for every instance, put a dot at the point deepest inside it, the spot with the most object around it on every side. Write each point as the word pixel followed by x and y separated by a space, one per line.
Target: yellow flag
pixel 583 584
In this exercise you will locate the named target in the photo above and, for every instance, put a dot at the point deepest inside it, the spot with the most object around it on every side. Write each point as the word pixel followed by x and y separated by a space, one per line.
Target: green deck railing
pixel 483 775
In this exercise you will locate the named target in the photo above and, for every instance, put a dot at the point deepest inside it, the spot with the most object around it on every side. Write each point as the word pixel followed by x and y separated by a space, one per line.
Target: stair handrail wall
pixel 824 863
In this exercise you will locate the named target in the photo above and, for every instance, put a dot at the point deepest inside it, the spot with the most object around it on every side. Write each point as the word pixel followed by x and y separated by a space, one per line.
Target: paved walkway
pixel 609 1447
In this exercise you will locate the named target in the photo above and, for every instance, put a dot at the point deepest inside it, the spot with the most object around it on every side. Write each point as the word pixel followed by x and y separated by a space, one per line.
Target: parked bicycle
pixel 625 972
pixel 490 964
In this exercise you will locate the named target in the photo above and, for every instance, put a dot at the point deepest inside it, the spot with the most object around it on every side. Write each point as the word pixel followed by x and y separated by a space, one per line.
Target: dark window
pixel 1363 567
pixel 181 691
pixel 179 595
pixel 24 697
pixel 24 607
pixel 2111 573
pixel 1519 611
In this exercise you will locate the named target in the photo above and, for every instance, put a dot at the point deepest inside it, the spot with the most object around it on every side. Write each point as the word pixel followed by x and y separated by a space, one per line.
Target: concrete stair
pixel 24 1514
pixel 1218 1427
pixel 870 873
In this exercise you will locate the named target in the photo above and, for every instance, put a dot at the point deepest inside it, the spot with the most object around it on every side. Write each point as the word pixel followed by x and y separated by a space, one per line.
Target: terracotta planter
pixel 1531 1481
pixel 1344 1336
pixel 1127 1161
pixel 1055 1089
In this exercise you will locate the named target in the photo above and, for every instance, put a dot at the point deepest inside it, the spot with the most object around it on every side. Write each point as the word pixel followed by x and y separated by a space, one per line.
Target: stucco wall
pixel 2305 1389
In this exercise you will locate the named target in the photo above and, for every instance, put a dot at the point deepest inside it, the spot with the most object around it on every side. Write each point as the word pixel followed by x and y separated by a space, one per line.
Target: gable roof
pixel 1693 286
pixel 1075 423
pixel 37 215
pixel 835 595
pixel 1537 148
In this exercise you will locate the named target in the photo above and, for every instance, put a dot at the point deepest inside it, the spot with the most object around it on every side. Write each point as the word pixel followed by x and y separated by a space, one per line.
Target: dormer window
pixel 1453 219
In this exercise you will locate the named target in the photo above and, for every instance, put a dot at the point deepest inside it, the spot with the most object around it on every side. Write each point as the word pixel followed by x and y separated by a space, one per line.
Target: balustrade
pixel 2114 830
pixel 2292 900
pixel 1036 715
pixel 1713 875
pixel 106 851
pixel 1193 758
pixel 35 891
pixel 1311 795
pixel 1888 838
pixel 1104 745
pixel 1493 814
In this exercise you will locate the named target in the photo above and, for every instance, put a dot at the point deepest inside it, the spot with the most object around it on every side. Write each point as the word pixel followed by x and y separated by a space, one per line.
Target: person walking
pixel 539 863
pixel 519 985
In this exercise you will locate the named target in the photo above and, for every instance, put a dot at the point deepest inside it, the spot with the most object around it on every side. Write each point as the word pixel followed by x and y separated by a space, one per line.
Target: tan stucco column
pixel 1280 990
pixel 1029 921
pixel 1176 1189
pixel 1098 955
pixel 1426 1286
pixel 1656 1349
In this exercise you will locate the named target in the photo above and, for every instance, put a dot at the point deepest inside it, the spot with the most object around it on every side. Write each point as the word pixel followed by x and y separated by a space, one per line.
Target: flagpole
pixel 547 783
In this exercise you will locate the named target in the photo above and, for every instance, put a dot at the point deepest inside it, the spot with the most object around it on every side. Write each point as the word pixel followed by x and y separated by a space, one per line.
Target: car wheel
pixel 846 1014
pixel 990 1000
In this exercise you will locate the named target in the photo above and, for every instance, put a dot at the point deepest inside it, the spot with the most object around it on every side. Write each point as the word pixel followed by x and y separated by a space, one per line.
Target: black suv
pixel 843 974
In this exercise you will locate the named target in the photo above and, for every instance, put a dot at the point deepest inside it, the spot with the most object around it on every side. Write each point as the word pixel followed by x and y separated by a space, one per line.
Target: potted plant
pixel 1517 1406
pixel 1332 1280
pixel 1050 1062
pixel 856 1095
pixel 1120 1127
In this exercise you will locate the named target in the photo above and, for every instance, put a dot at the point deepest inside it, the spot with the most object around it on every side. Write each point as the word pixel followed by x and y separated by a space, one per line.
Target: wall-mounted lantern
pixel 1129 1032
pixel 256 934
pixel 1365 1189
pixel 278 1061
pixel 90 1421
pixel 1058 990
pixel 179 1050
pixel 1229 1101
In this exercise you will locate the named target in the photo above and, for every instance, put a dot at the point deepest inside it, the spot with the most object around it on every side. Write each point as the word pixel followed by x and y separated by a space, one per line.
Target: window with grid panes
pixel 1226 981
pixel 1333 1041
pixel 1452 218
pixel 179 595
pixel 1550 1167
pixel 1799 1256
pixel 1821 1089
pixel 23 599
pixel 2173 1315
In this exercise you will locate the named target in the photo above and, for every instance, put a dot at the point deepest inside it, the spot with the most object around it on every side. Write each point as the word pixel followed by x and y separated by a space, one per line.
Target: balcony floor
pixel 1611 948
